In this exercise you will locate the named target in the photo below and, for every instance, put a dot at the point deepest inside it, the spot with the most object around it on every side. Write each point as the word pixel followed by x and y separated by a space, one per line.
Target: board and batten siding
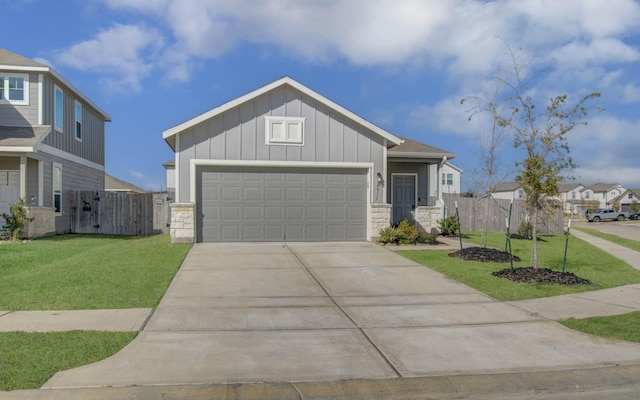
pixel 91 147
pixel 21 115
pixel 239 134
pixel 75 177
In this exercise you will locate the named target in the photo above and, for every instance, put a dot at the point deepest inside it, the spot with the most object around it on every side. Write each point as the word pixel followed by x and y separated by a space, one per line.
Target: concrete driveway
pixel 276 312
pixel 629 229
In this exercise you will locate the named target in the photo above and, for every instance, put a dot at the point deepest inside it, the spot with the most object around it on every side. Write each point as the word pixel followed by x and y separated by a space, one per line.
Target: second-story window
pixel 78 121
pixel 14 89
pixel 58 109
pixel 450 179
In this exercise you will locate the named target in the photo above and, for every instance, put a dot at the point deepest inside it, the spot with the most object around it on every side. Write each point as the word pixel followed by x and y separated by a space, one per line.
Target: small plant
pixel 427 239
pixel 408 233
pixel 389 235
pixel 449 226
pixel 526 230
pixel 634 206
pixel 15 220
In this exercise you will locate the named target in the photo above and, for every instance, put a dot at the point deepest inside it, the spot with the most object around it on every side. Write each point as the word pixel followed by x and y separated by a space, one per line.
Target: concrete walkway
pixel 336 320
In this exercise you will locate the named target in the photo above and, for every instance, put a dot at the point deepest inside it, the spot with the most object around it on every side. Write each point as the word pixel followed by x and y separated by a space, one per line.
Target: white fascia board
pixel 402 154
pixel 15 149
pixel 63 81
pixel 70 157
pixel 260 163
pixel 392 139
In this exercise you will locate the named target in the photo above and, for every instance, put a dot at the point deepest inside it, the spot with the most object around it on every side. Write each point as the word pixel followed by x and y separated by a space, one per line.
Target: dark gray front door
pixel 404 197
pixel 278 203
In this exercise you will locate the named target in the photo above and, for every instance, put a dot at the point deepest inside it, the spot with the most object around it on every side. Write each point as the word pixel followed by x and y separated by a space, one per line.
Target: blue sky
pixel 404 65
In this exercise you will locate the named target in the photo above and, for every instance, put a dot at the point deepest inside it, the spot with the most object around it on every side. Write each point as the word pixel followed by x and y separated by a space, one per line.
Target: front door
pixel 404 197
pixel 9 191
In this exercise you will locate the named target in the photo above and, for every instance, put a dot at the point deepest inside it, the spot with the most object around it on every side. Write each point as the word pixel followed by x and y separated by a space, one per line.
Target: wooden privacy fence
pixel 472 215
pixel 115 213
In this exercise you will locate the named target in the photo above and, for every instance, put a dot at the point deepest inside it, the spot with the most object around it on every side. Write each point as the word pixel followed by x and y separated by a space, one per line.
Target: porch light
pixel 380 180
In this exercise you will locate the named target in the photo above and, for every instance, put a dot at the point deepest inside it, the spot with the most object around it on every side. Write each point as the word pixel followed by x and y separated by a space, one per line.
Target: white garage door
pixel 278 204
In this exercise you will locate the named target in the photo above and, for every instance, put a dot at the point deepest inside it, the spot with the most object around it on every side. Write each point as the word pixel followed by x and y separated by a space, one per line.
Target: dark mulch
pixel 483 254
pixel 541 276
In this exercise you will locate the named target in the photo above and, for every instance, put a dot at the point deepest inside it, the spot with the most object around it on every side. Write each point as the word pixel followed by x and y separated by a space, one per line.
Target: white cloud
pixel 137 174
pixel 123 52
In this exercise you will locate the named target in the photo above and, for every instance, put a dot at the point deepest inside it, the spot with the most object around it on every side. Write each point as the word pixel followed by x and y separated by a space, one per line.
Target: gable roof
pixel 22 138
pixel 114 184
pixel 506 187
pixel 169 134
pixel 603 187
pixel 15 62
pixel 413 149
pixel 567 187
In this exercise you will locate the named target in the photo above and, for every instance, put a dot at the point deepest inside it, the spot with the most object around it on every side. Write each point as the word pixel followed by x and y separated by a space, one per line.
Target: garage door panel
pixel 279 203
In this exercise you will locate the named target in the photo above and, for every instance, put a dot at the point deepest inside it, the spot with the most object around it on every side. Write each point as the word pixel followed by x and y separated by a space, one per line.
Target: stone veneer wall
pixel 380 218
pixel 182 229
pixel 427 219
pixel 43 224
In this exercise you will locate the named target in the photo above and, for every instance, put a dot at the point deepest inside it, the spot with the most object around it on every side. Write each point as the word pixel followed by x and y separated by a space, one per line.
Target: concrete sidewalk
pixel 127 320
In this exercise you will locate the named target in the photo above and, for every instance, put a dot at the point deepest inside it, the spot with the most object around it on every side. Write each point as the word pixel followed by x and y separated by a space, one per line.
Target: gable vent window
pixel 78 121
pixel 284 130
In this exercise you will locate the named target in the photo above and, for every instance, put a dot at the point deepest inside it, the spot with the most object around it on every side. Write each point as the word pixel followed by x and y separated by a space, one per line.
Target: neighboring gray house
pixel 285 163
pixel 604 193
pixel 508 191
pixel 113 184
pixel 51 142
pixel 629 200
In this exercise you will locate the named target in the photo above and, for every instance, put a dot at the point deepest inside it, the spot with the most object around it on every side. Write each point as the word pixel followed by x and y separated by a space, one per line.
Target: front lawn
pixel 623 327
pixel 80 272
pixel 584 260
pixel 28 360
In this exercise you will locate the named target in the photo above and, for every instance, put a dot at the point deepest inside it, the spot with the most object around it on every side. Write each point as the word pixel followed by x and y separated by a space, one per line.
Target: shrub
pixel 526 230
pixel 427 239
pixel 15 220
pixel 449 226
pixel 389 235
pixel 408 233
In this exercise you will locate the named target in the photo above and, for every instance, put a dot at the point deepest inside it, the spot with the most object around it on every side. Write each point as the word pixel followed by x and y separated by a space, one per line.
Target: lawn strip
pixel 623 327
pixel 628 243
pixel 28 360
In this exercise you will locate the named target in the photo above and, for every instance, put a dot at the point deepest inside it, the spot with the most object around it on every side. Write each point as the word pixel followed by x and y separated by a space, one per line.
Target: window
pixel 520 194
pixel 587 195
pixel 78 121
pixel 631 195
pixel 573 195
pixel 57 187
pixel 449 179
pixel 284 130
pixel 14 89
pixel 443 179
pixel 58 107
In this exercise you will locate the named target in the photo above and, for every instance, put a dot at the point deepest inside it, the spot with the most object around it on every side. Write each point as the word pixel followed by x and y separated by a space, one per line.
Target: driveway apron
pixel 294 312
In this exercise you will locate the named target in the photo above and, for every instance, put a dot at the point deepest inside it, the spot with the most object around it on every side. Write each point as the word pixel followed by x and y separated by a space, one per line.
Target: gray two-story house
pixel 52 142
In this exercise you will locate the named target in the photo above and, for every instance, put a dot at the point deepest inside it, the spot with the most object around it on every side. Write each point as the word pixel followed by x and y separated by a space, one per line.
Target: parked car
pixel 606 214
pixel 634 216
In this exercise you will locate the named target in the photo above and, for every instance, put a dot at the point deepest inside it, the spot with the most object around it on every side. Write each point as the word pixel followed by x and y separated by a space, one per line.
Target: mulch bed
pixel 541 276
pixel 483 254
pixel 520 237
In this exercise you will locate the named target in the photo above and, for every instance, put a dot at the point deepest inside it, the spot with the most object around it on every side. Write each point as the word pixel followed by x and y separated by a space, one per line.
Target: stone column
pixel 380 218
pixel 182 229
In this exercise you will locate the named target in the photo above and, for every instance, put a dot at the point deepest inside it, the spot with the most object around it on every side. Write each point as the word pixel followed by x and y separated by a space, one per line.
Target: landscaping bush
pixel 526 230
pixel 449 226
pixel 15 220
pixel 389 235
pixel 408 233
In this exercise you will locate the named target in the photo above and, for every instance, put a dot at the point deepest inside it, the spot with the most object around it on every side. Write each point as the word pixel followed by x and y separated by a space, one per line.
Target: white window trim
pixel 53 186
pixel 5 99
pixel 56 89
pixel 78 119
pixel 285 120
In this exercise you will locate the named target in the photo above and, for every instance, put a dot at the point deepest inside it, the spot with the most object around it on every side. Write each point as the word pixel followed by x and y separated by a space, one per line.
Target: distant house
pixel 51 142
pixel 113 184
pixel 508 190
pixel 284 163
pixel 604 193
pixel 169 175
pixel 449 179
pixel 571 197
pixel 628 199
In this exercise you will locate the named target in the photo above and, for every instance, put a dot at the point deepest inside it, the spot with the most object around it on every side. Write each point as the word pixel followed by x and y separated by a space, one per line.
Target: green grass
pixel 584 260
pixel 623 327
pixel 74 272
pixel 28 360
pixel 628 243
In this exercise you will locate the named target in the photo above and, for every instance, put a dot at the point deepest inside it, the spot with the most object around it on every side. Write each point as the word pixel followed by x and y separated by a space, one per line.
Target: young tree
pixel 488 103
pixel 542 133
